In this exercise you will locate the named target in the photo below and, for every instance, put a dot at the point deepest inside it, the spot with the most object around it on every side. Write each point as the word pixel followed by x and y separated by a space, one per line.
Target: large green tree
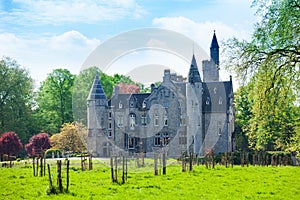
pixel 54 101
pixel 269 63
pixel 16 93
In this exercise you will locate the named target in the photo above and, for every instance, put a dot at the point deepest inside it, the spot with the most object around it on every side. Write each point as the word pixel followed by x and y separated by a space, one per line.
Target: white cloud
pixel 199 32
pixel 42 55
pixel 56 11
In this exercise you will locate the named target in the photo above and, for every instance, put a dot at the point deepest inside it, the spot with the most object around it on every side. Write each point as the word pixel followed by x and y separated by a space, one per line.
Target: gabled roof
pixel 216 96
pixel 97 91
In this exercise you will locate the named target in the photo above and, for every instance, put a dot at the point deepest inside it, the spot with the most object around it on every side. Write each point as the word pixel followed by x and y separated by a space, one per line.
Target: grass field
pixel 220 183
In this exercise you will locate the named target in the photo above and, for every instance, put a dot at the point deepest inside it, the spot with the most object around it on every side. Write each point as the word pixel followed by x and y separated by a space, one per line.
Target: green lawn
pixel 219 183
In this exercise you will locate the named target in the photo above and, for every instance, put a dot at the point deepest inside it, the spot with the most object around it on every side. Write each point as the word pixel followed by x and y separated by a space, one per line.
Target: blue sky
pixel 44 35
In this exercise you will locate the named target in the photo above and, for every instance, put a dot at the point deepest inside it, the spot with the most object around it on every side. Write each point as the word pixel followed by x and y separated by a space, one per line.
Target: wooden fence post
pixel 59 179
pixel 112 168
pixel 49 175
pixel 67 185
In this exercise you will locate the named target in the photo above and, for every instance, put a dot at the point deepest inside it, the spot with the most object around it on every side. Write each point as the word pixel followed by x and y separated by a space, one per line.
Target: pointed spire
pixel 214 49
pixel 214 42
pixel 194 75
pixel 97 91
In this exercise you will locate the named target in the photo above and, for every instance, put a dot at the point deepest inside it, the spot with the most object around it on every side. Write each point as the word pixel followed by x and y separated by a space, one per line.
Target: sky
pixel 45 35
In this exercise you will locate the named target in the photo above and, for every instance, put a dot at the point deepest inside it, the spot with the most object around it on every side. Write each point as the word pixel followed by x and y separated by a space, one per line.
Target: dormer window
pixel 220 100
pixel 144 104
pixel 207 101
pixel 131 104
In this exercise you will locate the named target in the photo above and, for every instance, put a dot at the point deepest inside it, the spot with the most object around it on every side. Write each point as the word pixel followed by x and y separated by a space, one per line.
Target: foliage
pixel 38 144
pixel 55 100
pixel 69 139
pixel 16 94
pixel 269 65
pixel 10 143
pixel 220 183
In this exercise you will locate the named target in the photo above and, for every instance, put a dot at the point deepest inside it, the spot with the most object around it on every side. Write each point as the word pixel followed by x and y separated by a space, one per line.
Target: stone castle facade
pixel 180 115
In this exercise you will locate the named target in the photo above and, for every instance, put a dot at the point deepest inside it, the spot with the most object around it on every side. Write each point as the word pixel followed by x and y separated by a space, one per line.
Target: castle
pixel 180 115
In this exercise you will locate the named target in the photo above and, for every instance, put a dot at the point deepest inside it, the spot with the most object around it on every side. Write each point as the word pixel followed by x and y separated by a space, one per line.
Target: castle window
pixel 157 140
pixel 109 133
pixel 109 115
pixel 143 119
pixel 207 101
pixel 166 139
pixel 109 126
pixel 219 128
pixel 182 120
pixel 220 100
pixel 156 120
pixel 132 120
pixel 120 120
pixel 144 104
pixel 130 142
pixel 131 104
pixel 120 105
pixel 215 90
pixel 166 120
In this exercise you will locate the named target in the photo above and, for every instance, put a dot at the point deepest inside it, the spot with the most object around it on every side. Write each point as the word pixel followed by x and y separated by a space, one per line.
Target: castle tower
pixel 96 113
pixel 194 108
pixel 211 67
pixel 214 49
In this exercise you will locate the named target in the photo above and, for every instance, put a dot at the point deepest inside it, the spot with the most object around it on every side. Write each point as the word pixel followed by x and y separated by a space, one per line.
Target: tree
pixel 10 144
pixel 70 139
pixel 16 94
pixel 243 106
pixel 55 100
pixel 269 63
pixel 38 144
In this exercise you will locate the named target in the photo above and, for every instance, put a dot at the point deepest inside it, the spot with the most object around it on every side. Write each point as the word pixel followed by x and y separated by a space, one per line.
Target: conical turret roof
pixel 97 91
pixel 214 42
pixel 194 75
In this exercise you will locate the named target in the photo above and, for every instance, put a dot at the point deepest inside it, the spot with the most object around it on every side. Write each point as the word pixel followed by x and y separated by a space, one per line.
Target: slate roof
pixel 124 99
pixel 216 96
pixel 97 91
pixel 214 42
pixel 194 75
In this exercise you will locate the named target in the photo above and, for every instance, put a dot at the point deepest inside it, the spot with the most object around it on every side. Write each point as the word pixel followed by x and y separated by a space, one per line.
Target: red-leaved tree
pixel 38 144
pixel 10 143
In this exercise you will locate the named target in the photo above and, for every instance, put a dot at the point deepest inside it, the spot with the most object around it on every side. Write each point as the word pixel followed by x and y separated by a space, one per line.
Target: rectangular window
pixel 109 134
pixel 132 120
pixel 166 139
pixel 120 120
pixel 130 142
pixel 182 120
pixel 156 120
pixel 157 140
pixel 166 120
pixel 143 119
pixel 182 140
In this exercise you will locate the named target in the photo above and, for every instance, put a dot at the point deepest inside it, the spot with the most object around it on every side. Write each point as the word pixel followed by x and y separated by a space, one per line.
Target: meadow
pixel 253 182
